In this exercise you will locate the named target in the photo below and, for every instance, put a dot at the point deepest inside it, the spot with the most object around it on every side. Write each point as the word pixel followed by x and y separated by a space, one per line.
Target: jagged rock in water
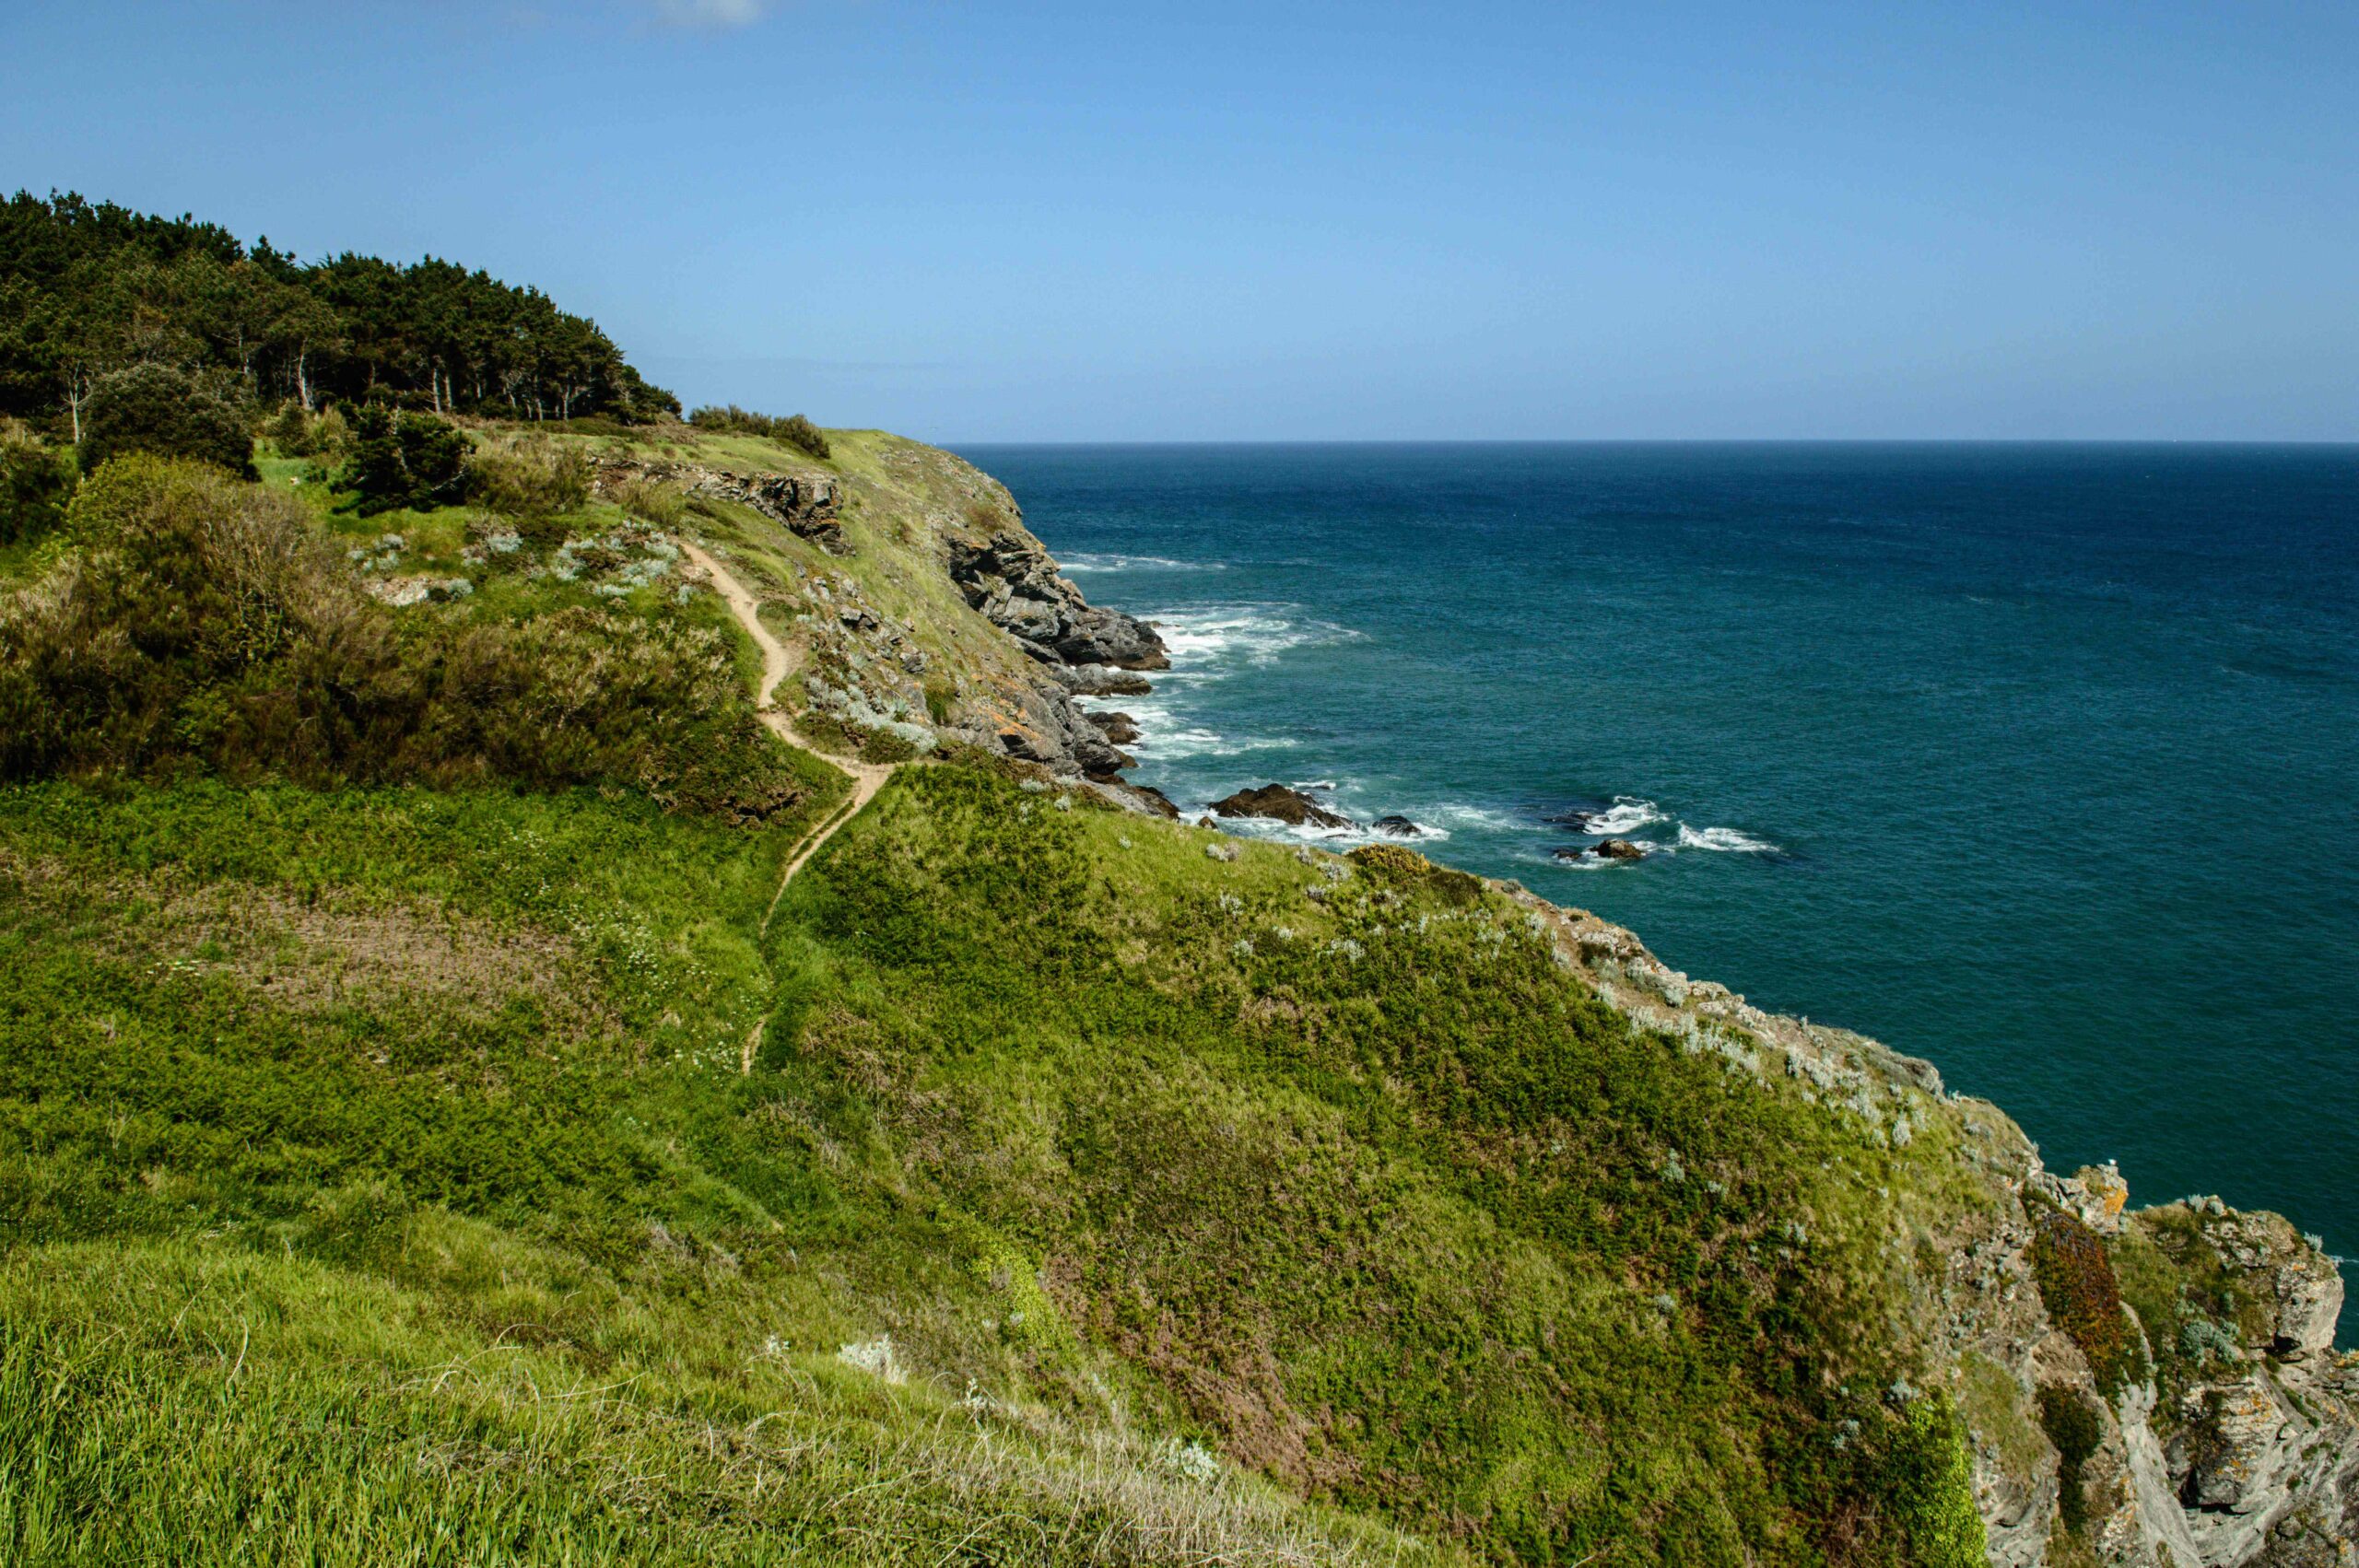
pixel 1011 579
pixel 1120 729
pixel 1275 803
pixel 1618 849
pixel 1396 826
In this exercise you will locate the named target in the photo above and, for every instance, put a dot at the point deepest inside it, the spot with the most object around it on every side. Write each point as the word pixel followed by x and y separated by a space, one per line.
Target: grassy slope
pixel 377 1172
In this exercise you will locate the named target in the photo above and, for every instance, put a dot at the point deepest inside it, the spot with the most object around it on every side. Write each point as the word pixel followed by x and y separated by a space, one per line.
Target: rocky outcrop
pixel 1038 722
pixel 1099 680
pixel 1012 581
pixel 1275 803
pixel 1396 826
pixel 1120 729
pixel 2228 1437
pixel 807 504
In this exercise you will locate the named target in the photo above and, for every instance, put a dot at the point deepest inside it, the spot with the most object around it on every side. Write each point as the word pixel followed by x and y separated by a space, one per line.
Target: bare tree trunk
pixel 302 376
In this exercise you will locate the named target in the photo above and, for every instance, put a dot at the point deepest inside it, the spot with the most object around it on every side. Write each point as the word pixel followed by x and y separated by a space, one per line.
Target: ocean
pixel 2039 761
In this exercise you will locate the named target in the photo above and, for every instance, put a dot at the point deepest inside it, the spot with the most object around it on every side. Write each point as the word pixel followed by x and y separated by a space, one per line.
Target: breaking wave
pixel 1166 736
pixel 1205 640
pixel 1625 815
pixel 1091 561
pixel 1727 839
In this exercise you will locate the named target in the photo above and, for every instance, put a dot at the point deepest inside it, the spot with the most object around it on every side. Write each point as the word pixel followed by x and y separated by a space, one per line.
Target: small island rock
pixel 1275 803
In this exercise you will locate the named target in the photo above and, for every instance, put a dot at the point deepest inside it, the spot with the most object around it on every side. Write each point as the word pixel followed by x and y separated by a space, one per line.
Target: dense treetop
pixel 87 289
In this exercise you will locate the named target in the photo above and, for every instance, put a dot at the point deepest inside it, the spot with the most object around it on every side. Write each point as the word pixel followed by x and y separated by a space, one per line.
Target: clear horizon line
pixel 2302 441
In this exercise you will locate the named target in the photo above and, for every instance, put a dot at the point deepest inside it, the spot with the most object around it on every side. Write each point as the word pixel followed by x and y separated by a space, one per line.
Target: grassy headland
pixel 429 1132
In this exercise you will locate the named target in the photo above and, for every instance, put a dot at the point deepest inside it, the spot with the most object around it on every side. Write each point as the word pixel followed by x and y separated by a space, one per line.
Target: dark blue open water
pixel 2039 761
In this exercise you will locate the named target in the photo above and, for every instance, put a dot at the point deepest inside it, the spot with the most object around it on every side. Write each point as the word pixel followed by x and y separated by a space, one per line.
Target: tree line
pixel 89 289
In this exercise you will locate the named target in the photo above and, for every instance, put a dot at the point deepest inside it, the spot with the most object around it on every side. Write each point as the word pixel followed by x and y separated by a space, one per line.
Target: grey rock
pixel 807 504
pixel 1275 803
pixel 1013 581
pixel 1120 729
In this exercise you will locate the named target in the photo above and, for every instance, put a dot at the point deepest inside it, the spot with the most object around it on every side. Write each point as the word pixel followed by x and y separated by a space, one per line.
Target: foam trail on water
pixel 1628 814
pixel 1204 639
pixel 1092 561
pixel 1167 736
pixel 1727 839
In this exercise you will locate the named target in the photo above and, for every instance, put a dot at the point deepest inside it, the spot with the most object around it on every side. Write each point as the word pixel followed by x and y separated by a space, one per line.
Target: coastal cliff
pixel 2141 1386
pixel 2147 1387
pixel 467 1026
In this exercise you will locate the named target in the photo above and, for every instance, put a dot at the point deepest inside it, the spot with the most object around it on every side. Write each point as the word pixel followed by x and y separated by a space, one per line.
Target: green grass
pixel 1391 1230
pixel 172 1402
pixel 467 1174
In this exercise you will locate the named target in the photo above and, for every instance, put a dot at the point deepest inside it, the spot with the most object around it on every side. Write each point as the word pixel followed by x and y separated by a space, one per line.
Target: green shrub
pixel 1929 1484
pixel 533 477
pixel 794 430
pixel 661 505
pixel 291 431
pixel 405 460
pixel 204 624
pixel 165 410
pixel 1391 863
pixel 2073 1427
pixel 34 482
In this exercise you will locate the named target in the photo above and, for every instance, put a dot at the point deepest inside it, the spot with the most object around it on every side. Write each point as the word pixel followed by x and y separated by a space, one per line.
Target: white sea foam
pixel 1481 819
pixel 1349 836
pixel 1727 839
pixel 1092 561
pixel 1204 639
pixel 1575 863
pixel 1626 814
pixel 1166 736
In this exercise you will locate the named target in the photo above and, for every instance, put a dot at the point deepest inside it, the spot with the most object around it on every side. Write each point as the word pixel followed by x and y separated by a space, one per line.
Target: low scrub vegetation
pixel 201 623
pixel 531 477
pixel 2078 1286
pixel 794 430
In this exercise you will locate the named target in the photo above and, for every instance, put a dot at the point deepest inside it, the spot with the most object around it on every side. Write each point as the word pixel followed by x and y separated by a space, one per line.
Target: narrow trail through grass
pixel 778 663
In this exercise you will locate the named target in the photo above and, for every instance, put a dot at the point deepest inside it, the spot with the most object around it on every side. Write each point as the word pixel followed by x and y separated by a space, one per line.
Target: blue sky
pixel 978 222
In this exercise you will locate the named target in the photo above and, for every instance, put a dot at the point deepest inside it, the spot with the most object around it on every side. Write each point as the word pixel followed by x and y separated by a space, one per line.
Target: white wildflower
pixel 875 1356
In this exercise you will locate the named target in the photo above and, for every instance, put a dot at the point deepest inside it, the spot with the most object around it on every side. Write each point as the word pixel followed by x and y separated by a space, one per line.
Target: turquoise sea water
pixel 2038 761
